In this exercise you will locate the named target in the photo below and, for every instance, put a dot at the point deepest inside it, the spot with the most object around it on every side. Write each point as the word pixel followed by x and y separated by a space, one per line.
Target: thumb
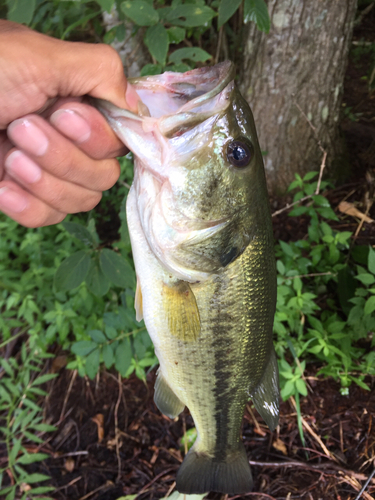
pixel 94 69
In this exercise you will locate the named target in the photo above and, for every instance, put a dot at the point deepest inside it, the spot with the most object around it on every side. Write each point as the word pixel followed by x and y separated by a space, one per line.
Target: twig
pixel 252 495
pixel 322 468
pixel 315 436
pixel 309 197
pixel 362 15
pixel 74 375
pixel 102 487
pixel 365 485
pixel 145 488
pixel 117 429
pixel 170 489
pixel 75 480
pixel 217 55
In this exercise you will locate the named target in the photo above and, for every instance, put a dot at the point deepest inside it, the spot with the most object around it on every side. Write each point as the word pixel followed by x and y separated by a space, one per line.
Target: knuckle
pixel 112 173
pixel 90 202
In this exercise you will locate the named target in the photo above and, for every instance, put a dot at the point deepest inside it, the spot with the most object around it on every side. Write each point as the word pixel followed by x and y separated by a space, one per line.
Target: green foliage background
pixel 71 287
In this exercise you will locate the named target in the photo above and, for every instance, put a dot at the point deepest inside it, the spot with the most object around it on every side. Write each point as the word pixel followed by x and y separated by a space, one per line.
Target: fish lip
pixel 223 72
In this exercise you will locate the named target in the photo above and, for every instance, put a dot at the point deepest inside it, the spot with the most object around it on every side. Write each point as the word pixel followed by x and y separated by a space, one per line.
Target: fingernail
pixel 21 167
pixel 71 124
pixel 27 136
pixel 10 201
pixel 132 98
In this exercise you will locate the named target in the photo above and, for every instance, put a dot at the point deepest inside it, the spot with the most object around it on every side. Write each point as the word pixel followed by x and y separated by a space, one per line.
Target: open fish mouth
pixel 181 92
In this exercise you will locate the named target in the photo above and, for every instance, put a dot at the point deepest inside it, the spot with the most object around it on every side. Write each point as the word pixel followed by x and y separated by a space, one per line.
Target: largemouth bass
pixel 201 235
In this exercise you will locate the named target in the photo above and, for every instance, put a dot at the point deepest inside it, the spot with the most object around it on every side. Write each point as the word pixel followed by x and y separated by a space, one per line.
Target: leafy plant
pixel 163 25
pixel 21 422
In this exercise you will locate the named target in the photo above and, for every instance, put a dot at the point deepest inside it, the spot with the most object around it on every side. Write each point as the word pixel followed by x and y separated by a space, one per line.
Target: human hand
pixel 60 161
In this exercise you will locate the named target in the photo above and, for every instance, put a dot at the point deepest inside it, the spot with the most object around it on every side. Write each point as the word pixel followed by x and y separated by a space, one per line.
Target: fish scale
pixel 201 234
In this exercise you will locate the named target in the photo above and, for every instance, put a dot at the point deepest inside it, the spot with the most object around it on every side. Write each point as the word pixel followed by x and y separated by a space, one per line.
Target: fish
pixel 201 234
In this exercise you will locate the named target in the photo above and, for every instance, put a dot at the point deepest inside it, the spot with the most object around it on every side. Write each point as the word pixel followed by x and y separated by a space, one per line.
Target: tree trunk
pixel 301 62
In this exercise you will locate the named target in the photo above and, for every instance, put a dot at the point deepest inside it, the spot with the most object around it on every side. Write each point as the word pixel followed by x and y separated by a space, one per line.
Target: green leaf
pixel 108 355
pixel 301 387
pixel 80 232
pixel 297 211
pixel 366 278
pixel 83 347
pixel 157 42
pixel 11 495
pixel 309 176
pixel 30 458
pixel 96 282
pixel 35 478
pixel 320 200
pixel 192 53
pixel 44 378
pixel 116 269
pixel 176 34
pixel 189 15
pixel 151 69
pixel 256 10
pixel 371 260
pixel 226 10
pixel 140 12
pixel 123 356
pixel 106 4
pixel 92 363
pixel 370 305
pixel 98 336
pixel 21 11
pixel 72 271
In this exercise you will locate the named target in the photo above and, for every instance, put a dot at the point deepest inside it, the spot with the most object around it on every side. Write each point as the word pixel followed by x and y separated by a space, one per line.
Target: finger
pixel 5 146
pixel 59 194
pixel 24 208
pixel 87 127
pixel 59 157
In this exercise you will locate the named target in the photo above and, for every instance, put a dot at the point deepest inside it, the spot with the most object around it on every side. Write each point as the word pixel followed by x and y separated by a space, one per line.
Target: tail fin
pixel 200 473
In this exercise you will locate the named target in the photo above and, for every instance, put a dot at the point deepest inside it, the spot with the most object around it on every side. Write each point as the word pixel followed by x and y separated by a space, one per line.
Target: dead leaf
pixel 58 363
pixel 280 446
pixel 69 464
pixel 349 209
pixel 99 420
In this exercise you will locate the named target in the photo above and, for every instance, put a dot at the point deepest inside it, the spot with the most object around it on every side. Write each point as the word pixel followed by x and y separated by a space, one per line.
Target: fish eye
pixel 239 153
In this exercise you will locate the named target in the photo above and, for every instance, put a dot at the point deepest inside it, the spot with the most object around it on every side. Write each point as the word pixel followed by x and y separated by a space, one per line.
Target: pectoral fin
pixel 165 399
pixel 266 397
pixel 182 311
pixel 138 303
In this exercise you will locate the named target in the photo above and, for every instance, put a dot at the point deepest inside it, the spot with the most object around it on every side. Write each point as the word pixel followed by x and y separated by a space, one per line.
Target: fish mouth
pixel 181 92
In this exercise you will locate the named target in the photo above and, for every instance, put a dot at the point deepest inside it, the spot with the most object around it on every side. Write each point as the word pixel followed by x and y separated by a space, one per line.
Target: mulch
pixel 112 441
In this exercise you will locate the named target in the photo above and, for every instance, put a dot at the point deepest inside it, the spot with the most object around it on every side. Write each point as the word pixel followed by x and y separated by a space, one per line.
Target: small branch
pixel 365 485
pixel 117 429
pixel 217 55
pixel 74 375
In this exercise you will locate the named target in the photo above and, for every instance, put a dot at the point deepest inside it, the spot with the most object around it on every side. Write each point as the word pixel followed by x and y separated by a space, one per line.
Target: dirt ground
pixel 112 441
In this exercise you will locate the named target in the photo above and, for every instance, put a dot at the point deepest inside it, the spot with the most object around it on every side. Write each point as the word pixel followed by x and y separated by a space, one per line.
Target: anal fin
pixel 165 399
pixel 266 397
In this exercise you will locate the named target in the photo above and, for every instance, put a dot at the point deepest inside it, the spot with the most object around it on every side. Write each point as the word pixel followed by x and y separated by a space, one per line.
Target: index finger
pixel 87 127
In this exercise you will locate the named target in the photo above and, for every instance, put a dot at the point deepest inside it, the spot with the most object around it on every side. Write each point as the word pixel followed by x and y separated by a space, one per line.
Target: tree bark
pixel 300 62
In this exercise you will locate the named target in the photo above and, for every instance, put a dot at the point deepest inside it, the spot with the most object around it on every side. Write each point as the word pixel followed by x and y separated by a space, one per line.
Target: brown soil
pixel 89 459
